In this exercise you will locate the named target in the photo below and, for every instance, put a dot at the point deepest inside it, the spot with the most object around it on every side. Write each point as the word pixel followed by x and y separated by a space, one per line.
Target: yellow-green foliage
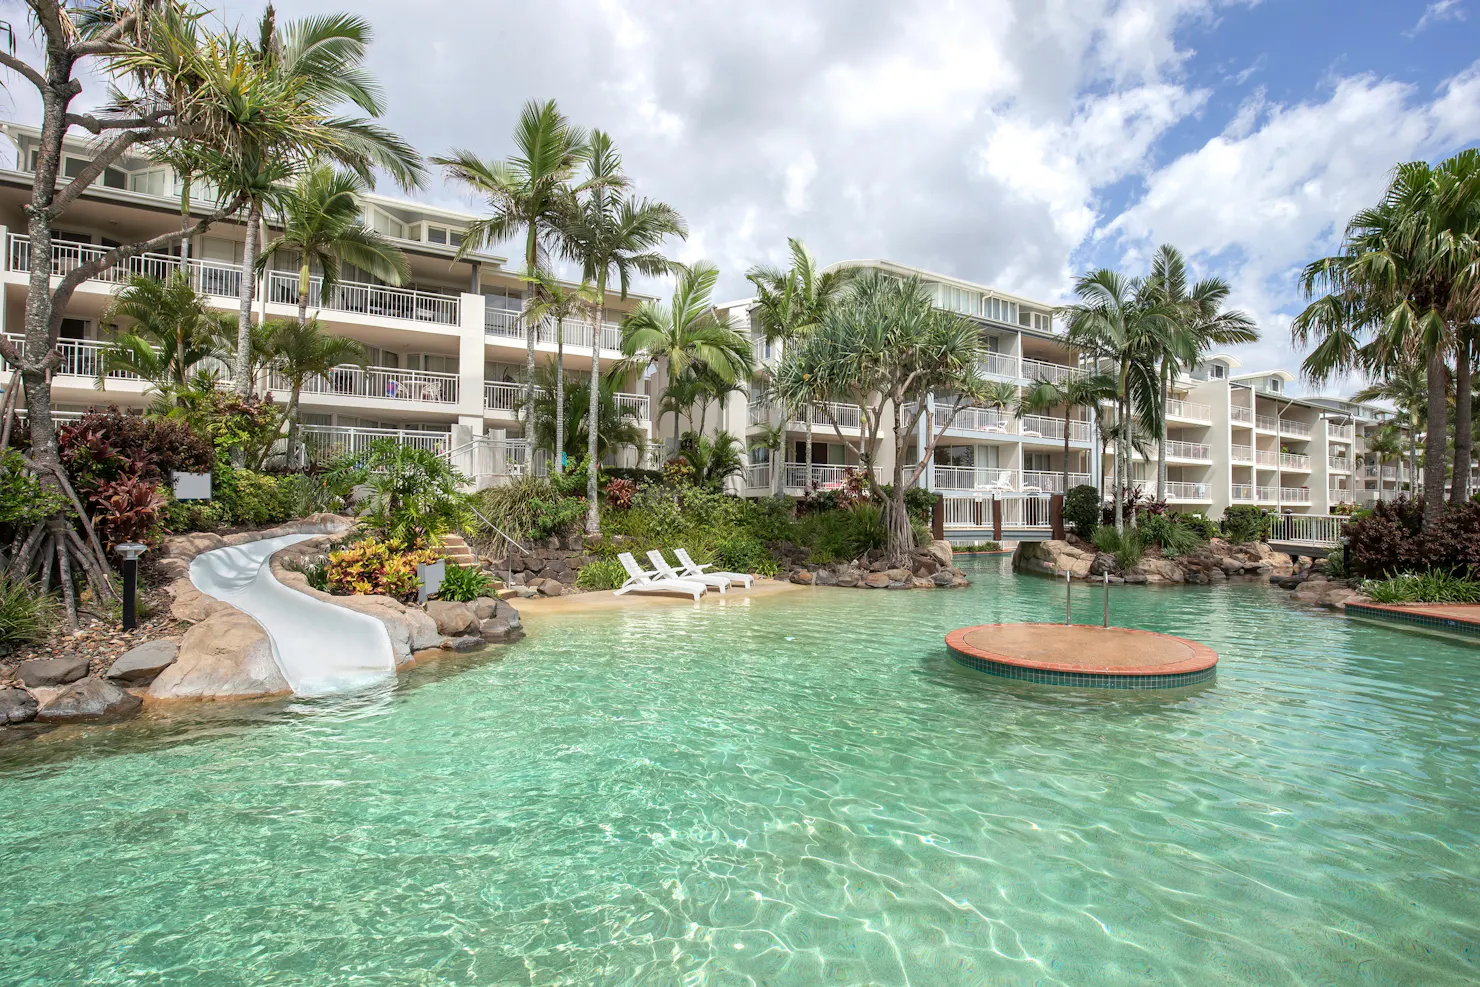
pixel 376 567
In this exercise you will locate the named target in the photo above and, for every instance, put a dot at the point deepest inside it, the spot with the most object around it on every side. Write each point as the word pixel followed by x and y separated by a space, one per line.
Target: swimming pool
pixel 796 790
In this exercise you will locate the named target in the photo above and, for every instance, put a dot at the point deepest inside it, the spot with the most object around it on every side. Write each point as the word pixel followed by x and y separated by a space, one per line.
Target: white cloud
pixel 1441 10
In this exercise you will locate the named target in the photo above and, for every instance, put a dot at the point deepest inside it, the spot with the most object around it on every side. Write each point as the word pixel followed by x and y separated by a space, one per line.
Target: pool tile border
pixel 1201 667
pixel 1414 615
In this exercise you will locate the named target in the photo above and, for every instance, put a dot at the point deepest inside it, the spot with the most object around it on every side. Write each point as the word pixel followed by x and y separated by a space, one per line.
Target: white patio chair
pixel 639 581
pixel 690 568
pixel 666 571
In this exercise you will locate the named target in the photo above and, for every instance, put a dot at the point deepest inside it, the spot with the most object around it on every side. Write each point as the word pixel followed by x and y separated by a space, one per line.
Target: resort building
pixel 445 349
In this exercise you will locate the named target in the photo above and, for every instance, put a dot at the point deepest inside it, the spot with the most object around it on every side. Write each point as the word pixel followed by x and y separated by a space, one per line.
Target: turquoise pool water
pixel 791 791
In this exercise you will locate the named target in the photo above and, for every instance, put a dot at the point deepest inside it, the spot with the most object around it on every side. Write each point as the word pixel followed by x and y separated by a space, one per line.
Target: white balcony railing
pixel 1241 414
pixel 1266 457
pixel 1189 411
pixel 1051 482
pixel 1177 490
pixel 974 478
pixel 823 477
pixel 1267 495
pixel 1318 529
pixel 1342 433
pixel 510 325
pixel 327 441
pixel 1264 423
pixel 986 420
pixel 758 413
pixel 503 396
pixel 1018 511
pixel 826 414
pixel 1040 426
pixel 1338 464
pixel 1295 461
pixel 1055 373
pixel 1294 495
pixel 80 357
pixel 1297 429
pixel 1000 366
pixel 1243 493
pixel 758 476
pixel 207 276
pixel 367 299
pixel 379 383
pixel 635 404
pixel 1177 449
pixel 1241 454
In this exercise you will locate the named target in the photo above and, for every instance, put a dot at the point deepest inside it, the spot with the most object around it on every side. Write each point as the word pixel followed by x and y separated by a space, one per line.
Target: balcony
pixel 1340 465
pixel 1000 366
pixel 822 477
pixel 380 384
pixel 1194 451
pixel 758 476
pixel 978 420
pixel 1298 462
pixel 1051 482
pixel 1241 454
pixel 758 413
pixel 206 276
pixel 764 353
pixel 826 415
pixel 1188 411
pixel 327 441
pixel 1041 427
pixel 1341 433
pixel 1190 492
pixel 1243 493
pixel 1242 415
pixel 1264 423
pixel 80 357
pixel 1267 495
pixel 1267 458
pixel 1055 373
pixel 510 325
pixel 507 396
pixel 1295 429
pixel 361 298
pixel 1294 495
pixel 974 478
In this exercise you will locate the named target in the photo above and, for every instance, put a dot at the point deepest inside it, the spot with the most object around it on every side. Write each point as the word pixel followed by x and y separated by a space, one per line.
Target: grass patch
pixel 1437 586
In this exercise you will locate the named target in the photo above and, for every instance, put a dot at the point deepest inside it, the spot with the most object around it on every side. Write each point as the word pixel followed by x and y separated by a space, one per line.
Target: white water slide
pixel 321 648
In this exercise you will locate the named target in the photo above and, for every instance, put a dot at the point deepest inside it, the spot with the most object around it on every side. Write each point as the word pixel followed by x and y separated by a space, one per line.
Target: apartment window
pixel 151 182
pixel 73 329
pixel 1000 310
pixel 1274 385
pixel 1038 462
pixel 383 222
pixel 956 299
pixel 433 363
pixel 1217 371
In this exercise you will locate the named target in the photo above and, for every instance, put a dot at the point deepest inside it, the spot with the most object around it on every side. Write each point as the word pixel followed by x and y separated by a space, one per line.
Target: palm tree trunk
pixel 1119 464
pixel 291 457
pixel 1435 440
pixel 244 317
pixel 1463 404
pixel 807 410
pixel 560 390
pixel 593 508
pixel 900 536
pixel 304 284
pixel 1412 459
pixel 1161 446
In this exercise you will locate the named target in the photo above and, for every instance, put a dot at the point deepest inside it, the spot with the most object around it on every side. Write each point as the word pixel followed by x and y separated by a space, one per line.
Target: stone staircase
pixel 456 550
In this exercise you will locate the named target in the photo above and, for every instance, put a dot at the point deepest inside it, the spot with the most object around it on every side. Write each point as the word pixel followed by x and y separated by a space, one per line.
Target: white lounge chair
pixel 639 581
pixel 690 569
pixel 666 571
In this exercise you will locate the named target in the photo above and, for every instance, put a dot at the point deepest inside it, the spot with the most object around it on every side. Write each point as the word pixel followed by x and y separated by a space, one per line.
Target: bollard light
pixel 130 550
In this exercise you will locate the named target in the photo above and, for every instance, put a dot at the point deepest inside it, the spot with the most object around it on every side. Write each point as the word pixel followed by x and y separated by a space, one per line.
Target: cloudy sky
pixel 1009 142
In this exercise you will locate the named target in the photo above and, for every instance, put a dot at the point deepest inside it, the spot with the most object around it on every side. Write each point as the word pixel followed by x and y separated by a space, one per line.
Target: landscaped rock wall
pixel 551 566
pixel 1214 562
pixel 930 567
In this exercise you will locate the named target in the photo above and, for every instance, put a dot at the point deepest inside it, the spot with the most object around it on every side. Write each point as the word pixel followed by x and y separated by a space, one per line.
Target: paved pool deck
pixel 1083 655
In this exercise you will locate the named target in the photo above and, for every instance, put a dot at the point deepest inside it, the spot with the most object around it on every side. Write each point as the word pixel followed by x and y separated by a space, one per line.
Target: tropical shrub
pixel 464 583
pixel 26 613
pixel 1390 539
pixel 374 566
pixel 1175 539
pixel 313 570
pixel 842 536
pixel 23 500
pixel 412 492
pixel 986 546
pixel 742 553
pixel 558 516
pixel 126 509
pixel 1082 509
pixel 243 498
pixel 1435 586
pixel 1202 526
pixel 601 574
pixel 1244 523
pixel 1128 547
pixel 1136 503
pixel 619 493
pixel 248 426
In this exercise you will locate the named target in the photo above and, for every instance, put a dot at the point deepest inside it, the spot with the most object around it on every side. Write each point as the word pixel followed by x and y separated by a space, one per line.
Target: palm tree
pixel 713 460
pixel 320 218
pixel 885 348
pixel 790 303
pixel 1385 445
pixel 299 351
pixel 686 335
pixel 1407 387
pixel 616 425
pixel 528 193
pixel 173 332
pixel 562 303
pixel 1196 324
pixel 318 61
pixel 1078 391
pixel 1119 321
pixel 612 235
pixel 1403 287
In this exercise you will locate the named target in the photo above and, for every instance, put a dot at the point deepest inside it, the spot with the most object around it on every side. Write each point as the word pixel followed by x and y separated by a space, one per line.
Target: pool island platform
pixel 1083 655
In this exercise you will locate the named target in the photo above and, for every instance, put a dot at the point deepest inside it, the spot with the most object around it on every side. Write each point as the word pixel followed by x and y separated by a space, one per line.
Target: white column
pixel 470 359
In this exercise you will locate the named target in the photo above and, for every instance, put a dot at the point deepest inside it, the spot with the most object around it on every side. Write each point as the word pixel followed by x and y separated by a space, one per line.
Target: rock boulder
pixel 802 577
pixel 453 618
pixel 16 706
pixel 227 656
pixel 88 699
pixel 876 580
pixel 941 551
pixel 51 671
pixel 141 665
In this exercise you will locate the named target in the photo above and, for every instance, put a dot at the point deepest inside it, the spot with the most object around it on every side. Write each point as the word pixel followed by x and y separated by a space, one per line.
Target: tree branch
pixel 95 125
pixel 84 179
pixel 19 66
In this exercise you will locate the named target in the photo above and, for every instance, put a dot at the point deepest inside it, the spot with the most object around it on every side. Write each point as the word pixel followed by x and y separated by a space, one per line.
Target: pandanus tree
pixel 1405 285
pixel 1196 323
pixel 687 335
pixel 320 220
pixel 561 303
pixel 170 331
pixel 298 351
pixel 1123 327
pixel 318 64
pixel 529 195
pixel 791 302
pixel 612 236
pixel 885 347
